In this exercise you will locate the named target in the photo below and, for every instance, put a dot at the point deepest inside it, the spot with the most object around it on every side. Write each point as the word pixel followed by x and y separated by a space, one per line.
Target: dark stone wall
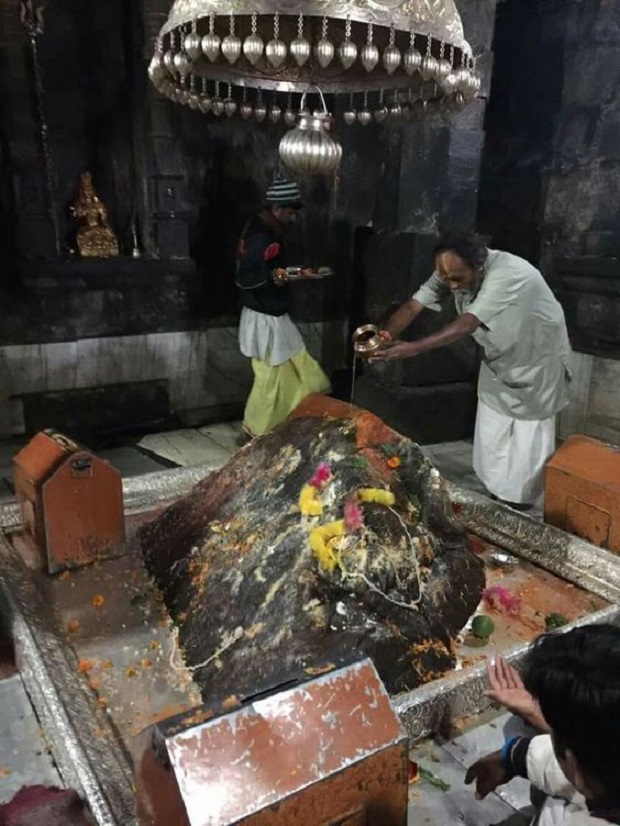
pixel 551 170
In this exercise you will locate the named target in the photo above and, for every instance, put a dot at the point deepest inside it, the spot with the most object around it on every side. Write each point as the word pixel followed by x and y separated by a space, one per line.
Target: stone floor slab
pixel 24 760
pixel 185 448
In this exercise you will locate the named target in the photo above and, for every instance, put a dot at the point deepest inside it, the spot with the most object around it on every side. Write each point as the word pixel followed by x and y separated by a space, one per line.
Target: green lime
pixel 482 627
pixel 555 621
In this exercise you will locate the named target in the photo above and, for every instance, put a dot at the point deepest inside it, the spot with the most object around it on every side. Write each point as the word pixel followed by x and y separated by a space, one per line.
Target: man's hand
pixel 489 773
pixel 396 350
pixel 280 276
pixel 508 690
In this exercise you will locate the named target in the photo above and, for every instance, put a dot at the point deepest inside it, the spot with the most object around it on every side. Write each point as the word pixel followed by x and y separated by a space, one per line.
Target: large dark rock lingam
pixel 261 589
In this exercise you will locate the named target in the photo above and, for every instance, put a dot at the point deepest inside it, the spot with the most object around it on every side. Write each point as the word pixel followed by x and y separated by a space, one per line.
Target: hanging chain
pixel 276 26
pixel 211 23
pixel 31 17
pixel 254 23
pixel 392 34
pixel 412 39
pixel 370 34
pixel 232 24
pixel 300 26
pixel 324 28
pixel 347 29
pixel 428 46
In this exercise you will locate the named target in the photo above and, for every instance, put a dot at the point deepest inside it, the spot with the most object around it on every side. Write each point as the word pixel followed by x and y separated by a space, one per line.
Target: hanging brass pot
pixel 309 148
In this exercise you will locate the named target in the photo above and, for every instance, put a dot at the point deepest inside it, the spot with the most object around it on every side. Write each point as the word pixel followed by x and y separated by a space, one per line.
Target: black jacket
pixel 259 253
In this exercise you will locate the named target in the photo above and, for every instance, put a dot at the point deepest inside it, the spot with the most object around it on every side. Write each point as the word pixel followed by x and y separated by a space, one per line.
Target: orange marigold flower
pixel 394 462
pixel 97 600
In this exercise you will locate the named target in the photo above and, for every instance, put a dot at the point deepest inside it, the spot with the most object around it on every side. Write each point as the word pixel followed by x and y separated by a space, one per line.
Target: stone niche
pixel 331 536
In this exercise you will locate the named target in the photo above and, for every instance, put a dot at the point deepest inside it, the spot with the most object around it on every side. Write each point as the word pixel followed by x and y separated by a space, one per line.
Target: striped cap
pixel 284 193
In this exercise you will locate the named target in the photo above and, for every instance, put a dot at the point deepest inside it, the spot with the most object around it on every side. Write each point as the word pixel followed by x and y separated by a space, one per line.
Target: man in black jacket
pixel 284 371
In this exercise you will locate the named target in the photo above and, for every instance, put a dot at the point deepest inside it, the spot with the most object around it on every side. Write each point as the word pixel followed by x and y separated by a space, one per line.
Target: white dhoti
pixel 510 454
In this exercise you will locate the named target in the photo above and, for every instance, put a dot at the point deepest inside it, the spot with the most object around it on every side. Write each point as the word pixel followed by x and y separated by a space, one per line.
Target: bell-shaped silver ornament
pixel 230 107
pixel 217 106
pixel 395 110
pixel 369 56
pixel 193 102
pixel 276 52
pixel 253 48
pixel 290 117
pixel 462 79
pixel 211 46
pixel 231 48
pixel 449 83
pixel 193 45
pixel 412 60
pixel 324 52
pixel 205 103
pixel 349 116
pixel 260 112
pixel 169 61
pixel 380 114
pixel 428 69
pixel 391 59
pixel 245 110
pixel 157 68
pixel 364 116
pixel 275 113
pixel 301 51
pixel 443 70
pixel 347 53
pixel 182 64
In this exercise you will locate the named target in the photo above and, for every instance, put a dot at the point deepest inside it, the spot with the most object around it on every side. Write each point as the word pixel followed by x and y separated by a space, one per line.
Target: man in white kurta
pixel 508 308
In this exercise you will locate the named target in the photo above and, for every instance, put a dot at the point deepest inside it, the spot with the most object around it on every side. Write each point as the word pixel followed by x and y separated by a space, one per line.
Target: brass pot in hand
pixel 367 340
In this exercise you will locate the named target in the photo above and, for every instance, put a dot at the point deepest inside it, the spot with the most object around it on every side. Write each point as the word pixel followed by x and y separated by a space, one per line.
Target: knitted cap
pixel 284 193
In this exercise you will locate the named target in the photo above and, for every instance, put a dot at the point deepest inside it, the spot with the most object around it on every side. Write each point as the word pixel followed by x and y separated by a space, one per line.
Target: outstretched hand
pixel 396 350
pixel 488 773
pixel 508 690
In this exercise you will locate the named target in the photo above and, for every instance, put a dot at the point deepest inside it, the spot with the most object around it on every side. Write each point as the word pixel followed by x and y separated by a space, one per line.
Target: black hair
pixel 470 247
pixel 575 676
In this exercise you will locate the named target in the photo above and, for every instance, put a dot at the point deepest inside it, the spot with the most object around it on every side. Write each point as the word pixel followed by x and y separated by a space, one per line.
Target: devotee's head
pixel 575 676
pixel 283 200
pixel 459 260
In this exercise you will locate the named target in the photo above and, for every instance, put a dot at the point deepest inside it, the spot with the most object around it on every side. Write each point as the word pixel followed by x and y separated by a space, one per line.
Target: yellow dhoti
pixel 277 391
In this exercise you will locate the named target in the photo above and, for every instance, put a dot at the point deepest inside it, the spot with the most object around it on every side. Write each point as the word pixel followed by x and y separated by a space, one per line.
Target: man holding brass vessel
pixel 284 371
pixel 504 303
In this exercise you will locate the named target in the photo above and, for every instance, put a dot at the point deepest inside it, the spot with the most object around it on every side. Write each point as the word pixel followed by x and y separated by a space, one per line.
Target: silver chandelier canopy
pixel 384 59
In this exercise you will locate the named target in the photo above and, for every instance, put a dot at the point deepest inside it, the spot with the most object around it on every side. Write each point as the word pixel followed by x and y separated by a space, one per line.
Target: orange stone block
pixel 582 491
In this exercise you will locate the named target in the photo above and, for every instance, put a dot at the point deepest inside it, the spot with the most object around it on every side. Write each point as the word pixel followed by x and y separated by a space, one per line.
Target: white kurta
pixel 269 338
pixel 524 375
pixel 510 454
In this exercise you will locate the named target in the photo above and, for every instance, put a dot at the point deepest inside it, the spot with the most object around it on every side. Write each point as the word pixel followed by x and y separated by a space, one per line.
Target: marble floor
pixel 24 756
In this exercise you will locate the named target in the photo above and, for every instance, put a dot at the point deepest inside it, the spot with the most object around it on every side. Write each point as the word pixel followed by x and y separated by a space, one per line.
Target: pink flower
pixel 353 516
pixel 322 475
pixel 501 599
